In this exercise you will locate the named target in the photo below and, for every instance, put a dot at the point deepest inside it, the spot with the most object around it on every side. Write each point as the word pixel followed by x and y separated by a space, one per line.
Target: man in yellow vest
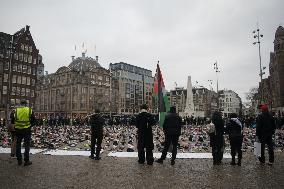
pixel 22 120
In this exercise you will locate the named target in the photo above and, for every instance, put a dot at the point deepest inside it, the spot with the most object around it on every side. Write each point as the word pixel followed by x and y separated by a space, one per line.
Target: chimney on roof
pixel 97 58
pixel 73 57
pixel 27 28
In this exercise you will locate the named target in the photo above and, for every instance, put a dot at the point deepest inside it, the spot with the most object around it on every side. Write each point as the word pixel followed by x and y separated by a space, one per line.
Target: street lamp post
pixel 258 36
pixel 216 68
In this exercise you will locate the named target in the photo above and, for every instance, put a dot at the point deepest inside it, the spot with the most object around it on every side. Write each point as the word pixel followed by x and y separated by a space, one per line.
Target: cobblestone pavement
pixel 82 172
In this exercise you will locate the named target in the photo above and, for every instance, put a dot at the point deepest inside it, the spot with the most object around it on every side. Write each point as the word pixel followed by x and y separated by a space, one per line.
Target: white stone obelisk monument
pixel 189 108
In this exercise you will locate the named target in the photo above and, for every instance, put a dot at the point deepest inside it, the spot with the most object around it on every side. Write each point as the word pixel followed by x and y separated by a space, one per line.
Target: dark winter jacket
pixel 217 138
pixel 234 128
pixel 172 124
pixel 97 122
pixel 144 122
pixel 265 126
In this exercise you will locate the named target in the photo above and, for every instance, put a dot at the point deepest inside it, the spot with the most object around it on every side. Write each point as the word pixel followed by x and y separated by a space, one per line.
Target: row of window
pixel 100 78
pixel 23 80
pixel 20 80
pixel 19 91
pixel 19 68
pixel 26 47
pixel 24 57
pixel 16 102
pixel 24 69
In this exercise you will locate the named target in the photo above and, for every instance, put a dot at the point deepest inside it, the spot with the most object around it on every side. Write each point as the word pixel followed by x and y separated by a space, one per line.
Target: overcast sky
pixel 186 36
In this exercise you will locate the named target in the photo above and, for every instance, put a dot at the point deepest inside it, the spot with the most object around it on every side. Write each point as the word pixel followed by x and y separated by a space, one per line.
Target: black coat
pixel 265 126
pixel 233 129
pixel 97 122
pixel 172 124
pixel 144 122
pixel 217 138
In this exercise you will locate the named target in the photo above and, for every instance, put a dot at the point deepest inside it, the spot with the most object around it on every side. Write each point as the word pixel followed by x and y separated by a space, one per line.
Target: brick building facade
pixel 19 59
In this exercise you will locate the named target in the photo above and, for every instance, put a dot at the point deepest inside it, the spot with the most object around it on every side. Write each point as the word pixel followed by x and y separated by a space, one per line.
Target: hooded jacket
pixel 234 128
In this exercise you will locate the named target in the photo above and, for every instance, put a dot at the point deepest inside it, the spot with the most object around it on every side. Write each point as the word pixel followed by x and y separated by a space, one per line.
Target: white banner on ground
pixel 32 151
pixel 66 153
pixel 179 155
pixel 114 154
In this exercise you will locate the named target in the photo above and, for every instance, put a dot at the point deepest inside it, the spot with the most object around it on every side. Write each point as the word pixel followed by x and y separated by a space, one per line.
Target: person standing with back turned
pixel 97 122
pixel 144 123
pixel 23 119
pixel 172 130
pixel 234 129
pixel 265 128
pixel 217 138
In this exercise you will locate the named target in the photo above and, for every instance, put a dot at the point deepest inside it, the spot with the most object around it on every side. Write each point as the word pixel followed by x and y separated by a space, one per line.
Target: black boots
pixel 92 156
pixel 27 163
pixel 20 162
pixel 239 162
pixel 95 157
pixel 160 161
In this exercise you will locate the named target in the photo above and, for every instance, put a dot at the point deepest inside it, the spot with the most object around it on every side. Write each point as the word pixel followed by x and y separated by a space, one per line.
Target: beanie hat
pixel 264 107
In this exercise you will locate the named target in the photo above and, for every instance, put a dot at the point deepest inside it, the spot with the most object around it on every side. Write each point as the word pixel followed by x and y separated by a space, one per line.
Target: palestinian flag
pixel 161 96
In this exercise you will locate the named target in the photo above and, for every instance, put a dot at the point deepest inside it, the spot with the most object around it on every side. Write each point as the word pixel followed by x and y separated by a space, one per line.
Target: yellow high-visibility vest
pixel 22 117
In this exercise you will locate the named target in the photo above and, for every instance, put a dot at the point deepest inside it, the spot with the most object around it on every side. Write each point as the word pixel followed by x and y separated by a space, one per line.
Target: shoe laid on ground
pixel 27 163
pixel 92 157
pixel 13 156
pixel 173 162
pixel 20 162
pixel 149 163
pixel 233 163
pixel 270 163
pixel 239 163
pixel 97 158
pixel 160 161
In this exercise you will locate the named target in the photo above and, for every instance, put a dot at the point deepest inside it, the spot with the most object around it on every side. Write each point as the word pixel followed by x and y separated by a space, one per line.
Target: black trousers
pixel 268 141
pixel 236 147
pixel 26 135
pixel 149 155
pixel 217 149
pixel 170 139
pixel 96 139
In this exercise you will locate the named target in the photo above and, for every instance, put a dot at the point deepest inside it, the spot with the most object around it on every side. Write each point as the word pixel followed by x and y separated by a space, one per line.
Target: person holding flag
pixel 160 96
pixel 172 122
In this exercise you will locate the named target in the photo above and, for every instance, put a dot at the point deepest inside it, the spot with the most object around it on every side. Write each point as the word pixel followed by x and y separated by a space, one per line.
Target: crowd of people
pixel 194 138
pixel 97 133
